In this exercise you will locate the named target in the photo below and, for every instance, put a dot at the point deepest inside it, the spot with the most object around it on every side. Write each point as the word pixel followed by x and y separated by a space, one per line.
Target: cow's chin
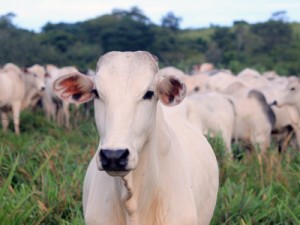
pixel 118 173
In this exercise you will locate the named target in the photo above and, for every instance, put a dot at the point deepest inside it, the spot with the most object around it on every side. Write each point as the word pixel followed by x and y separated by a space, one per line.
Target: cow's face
pixel 290 94
pixel 38 74
pixel 126 89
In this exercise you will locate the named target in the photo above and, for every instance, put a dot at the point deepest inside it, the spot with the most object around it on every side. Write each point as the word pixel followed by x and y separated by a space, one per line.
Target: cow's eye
pixel 96 93
pixel 148 95
pixel 293 89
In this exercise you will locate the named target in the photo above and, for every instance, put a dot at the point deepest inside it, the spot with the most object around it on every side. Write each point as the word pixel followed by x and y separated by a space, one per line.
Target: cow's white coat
pixel 172 175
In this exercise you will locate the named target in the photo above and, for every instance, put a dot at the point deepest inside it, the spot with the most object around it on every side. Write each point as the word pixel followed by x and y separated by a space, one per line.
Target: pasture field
pixel 42 171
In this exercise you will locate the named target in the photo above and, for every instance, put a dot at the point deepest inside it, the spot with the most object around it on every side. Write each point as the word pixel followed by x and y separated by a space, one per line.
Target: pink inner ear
pixel 65 95
pixel 176 87
pixel 171 91
pixel 68 82
pixel 69 86
pixel 86 97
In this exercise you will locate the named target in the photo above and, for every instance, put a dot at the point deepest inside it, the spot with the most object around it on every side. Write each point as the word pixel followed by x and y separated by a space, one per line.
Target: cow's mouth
pixel 118 173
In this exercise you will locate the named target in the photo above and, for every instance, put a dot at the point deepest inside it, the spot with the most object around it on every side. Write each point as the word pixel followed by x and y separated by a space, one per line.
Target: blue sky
pixel 33 14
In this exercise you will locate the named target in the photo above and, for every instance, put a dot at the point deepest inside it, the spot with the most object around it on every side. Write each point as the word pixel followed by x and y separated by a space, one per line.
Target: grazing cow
pixel 286 116
pixel 252 78
pixel 152 166
pixel 204 67
pixel 290 95
pixel 194 83
pixel 288 98
pixel 55 108
pixel 214 113
pixel 220 80
pixel 39 72
pixel 172 70
pixel 17 88
pixel 251 109
pixel 270 75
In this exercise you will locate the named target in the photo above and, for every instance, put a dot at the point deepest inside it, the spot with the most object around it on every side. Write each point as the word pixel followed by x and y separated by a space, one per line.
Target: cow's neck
pixel 144 183
pixel 29 91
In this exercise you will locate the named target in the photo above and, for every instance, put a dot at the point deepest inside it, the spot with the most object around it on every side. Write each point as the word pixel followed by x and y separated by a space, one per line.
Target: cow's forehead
pixel 127 58
pixel 130 68
pixel 38 70
pixel 293 83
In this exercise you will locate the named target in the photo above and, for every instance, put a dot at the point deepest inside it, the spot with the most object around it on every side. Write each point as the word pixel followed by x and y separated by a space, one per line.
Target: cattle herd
pixel 154 164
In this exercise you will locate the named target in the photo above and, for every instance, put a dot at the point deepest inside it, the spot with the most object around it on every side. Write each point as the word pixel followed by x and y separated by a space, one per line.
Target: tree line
pixel 270 45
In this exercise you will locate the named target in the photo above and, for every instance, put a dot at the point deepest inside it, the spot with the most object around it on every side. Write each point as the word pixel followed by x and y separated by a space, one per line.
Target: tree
pixel 273 33
pixel 171 21
pixel 6 21
pixel 60 39
pixel 279 16
pixel 134 13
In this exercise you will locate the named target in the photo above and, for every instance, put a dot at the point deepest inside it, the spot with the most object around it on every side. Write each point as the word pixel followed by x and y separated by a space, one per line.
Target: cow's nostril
pixel 114 160
pixel 104 159
pixel 124 158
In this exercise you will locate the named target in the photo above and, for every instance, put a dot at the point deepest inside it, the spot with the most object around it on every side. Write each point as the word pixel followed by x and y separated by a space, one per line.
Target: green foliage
pixel 270 45
pixel 257 188
pixel 171 21
pixel 41 172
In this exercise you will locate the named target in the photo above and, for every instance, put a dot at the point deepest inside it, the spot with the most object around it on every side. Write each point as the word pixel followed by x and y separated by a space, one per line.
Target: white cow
pixel 255 118
pixel 288 99
pixel 214 113
pixel 194 83
pixel 271 85
pixel 204 67
pixel 290 94
pixel 171 71
pixel 17 88
pixel 39 72
pixel 55 108
pixel 252 78
pixel 220 81
pixel 152 166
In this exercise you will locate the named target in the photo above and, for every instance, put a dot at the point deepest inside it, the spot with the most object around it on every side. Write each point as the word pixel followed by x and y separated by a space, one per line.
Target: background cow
pixel 17 89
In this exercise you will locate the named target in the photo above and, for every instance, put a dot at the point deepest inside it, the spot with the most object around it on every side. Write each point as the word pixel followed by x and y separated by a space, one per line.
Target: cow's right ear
pixel 171 90
pixel 75 88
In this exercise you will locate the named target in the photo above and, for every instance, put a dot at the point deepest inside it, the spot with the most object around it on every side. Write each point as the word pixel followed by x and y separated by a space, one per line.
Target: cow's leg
pixel 227 140
pixel 50 108
pixel 66 114
pixel 16 109
pixel 297 132
pixel 260 142
pixel 5 120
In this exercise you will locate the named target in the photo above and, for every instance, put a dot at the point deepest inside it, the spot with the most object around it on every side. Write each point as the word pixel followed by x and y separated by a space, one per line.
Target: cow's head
pixel 290 94
pixel 38 76
pixel 125 92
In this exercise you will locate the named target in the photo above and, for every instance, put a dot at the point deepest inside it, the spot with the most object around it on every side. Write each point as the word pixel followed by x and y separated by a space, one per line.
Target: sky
pixel 34 14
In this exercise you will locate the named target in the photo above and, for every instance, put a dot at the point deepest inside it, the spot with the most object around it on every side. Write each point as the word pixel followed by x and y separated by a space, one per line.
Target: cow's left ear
pixel 171 90
pixel 75 88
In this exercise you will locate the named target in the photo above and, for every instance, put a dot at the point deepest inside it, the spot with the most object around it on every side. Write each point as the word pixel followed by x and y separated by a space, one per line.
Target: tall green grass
pixel 258 188
pixel 42 171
